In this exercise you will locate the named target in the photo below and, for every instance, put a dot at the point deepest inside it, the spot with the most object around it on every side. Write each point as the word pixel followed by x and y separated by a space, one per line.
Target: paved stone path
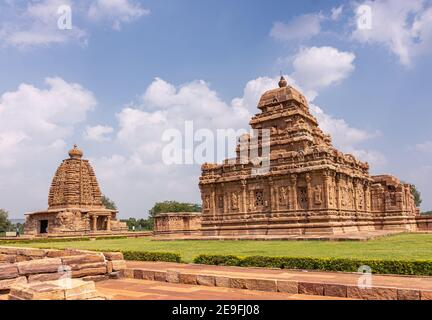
pixel 337 284
pixel 133 289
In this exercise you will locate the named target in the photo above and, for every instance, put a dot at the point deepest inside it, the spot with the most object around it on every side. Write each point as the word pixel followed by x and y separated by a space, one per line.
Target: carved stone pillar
pixel 94 223
pixel 244 196
pixel 338 192
pixel 294 191
pixel 326 190
pixel 109 223
pixel 213 201
pixel 272 202
pixel 309 191
pixel 251 200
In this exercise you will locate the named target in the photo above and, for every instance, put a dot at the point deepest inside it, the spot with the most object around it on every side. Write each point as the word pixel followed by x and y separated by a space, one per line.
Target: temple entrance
pixel 101 223
pixel 43 226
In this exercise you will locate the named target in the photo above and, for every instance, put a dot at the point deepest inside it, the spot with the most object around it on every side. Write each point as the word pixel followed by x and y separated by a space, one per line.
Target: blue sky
pixel 130 69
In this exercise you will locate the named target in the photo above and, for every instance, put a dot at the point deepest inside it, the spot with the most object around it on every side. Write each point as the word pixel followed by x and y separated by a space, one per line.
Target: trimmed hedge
pixel 49 240
pixel 42 240
pixel 151 256
pixel 403 267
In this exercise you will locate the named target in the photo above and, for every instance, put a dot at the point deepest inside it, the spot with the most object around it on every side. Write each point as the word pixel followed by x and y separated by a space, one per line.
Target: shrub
pixel 403 267
pixel 150 256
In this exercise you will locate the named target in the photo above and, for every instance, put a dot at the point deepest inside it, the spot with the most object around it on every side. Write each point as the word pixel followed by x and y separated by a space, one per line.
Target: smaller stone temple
pixel 74 203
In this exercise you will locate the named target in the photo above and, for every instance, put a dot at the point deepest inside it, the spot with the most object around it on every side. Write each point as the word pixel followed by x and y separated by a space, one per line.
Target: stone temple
pixel 310 187
pixel 74 203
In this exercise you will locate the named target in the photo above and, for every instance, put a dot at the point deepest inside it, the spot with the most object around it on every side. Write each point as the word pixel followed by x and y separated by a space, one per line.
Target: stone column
pixel 309 191
pixel 213 201
pixel 244 200
pixel 109 223
pixel 326 190
pixel 272 204
pixel 338 191
pixel 294 191
pixel 94 222
pixel 277 198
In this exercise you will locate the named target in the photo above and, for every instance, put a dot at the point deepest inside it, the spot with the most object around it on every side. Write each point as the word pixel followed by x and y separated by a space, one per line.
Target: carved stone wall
pixel 310 186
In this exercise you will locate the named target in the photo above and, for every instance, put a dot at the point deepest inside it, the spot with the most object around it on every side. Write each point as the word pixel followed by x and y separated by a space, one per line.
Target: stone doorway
pixel 43 228
pixel 101 223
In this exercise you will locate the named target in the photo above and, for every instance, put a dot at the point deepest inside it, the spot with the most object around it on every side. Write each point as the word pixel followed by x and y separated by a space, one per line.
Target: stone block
pixel 53 253
pixel 188 278
pixel 374 293
pixel 70 289
pixel 7 258
pixel 137 274
pixel 8 283
pixel 222 281
pixel 32 253
pixel 39 266
pixel 86 265
pixel 8 271
pixel 160 276
pixel 288 286
pixel 9 250
pixel 109 266
pixel 97 278
pixel 237 283
pixel 36 291
pixel 148 275
pixel 311 288
pixel 172 276
pixel 335 290
pixel 408 294
pixel 205 280
pixel 128 273
pixel 115 275
pixel 425 295
pixel 112 256
pixel 118 265
pixel 89 272
pixel 46 276
pixel 84 258
pixel 261 285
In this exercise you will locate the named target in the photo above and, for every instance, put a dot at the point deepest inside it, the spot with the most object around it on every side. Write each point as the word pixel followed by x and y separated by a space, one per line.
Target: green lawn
pixel 403 246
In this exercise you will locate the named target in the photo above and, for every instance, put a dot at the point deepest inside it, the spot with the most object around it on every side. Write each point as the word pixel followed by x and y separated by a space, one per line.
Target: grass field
pixel 403 246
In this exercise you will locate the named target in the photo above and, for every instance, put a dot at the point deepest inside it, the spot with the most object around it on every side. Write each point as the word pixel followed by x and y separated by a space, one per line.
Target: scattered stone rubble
pixel 38 273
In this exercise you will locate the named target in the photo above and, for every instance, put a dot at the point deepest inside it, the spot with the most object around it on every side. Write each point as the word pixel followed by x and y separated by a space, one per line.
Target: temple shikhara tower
pixel 74 203
pixel 310 186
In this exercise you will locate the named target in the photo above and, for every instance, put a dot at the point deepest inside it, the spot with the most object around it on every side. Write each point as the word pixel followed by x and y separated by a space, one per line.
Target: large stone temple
pixel 310 187
pixel 74 203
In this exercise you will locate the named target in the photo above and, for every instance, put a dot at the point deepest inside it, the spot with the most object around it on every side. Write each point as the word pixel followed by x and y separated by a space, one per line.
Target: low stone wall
pixel 26 265
pixel 177 223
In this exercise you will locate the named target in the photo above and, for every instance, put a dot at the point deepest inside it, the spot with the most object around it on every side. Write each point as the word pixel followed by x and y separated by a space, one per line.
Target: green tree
pixel 417 195
pixel 173 206
pixel 5 223
pixel 108 203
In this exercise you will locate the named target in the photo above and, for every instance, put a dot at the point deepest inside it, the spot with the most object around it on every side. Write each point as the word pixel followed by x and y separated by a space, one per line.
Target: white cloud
pixel 347 138
pixel 336 13
pixel 116 11
pixel 98 133
pixel 35 122
pixel 319 67
pixel 37 24
pixel 300 28
pixel 424 147
pixel 403 27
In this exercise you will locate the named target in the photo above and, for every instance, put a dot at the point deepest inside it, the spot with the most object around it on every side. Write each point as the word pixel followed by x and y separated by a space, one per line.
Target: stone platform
pixel 135 289
pixel 348 236
pixel 277 281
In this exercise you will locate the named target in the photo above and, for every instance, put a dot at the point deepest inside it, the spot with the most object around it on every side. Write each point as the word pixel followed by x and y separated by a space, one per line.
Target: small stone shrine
pixel 74 203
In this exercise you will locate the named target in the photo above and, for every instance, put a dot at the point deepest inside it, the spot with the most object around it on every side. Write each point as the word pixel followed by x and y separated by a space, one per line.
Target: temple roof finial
pixel 282 82
pixel 75 153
